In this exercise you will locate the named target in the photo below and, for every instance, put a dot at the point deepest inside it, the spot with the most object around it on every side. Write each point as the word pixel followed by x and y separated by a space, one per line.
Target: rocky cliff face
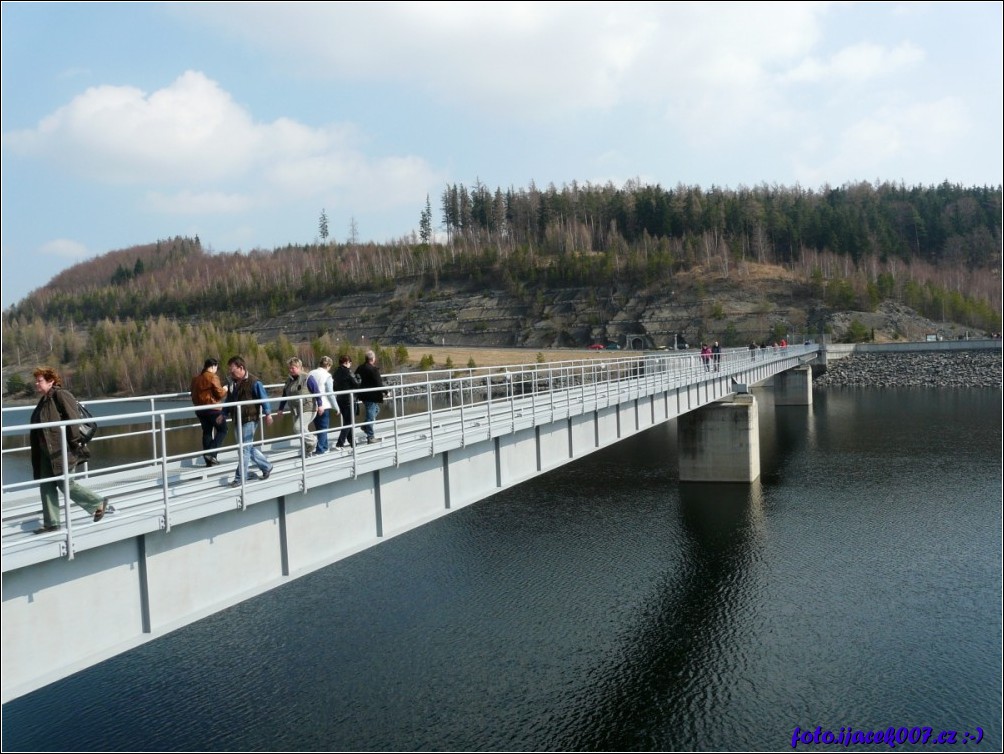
pixel 733 311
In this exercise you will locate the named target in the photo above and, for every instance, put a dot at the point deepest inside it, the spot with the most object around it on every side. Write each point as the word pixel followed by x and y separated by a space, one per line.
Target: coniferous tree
pixel 322 227
pixel 425 223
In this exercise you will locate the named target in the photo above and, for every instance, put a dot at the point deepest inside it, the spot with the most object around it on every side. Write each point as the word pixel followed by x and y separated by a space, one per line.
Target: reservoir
pixel 607 606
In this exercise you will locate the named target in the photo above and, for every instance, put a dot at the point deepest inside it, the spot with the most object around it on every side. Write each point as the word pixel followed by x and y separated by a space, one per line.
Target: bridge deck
pixel 167 491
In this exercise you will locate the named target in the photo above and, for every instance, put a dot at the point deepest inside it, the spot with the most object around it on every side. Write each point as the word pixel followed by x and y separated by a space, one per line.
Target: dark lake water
pixel 607 606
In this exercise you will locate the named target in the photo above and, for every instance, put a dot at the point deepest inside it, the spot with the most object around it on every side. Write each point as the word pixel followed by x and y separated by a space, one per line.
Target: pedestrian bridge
pixel 182 544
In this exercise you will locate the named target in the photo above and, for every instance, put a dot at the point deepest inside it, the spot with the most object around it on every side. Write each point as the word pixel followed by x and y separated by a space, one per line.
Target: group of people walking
pixel 763 347
pixel 711 354
pixel 310 397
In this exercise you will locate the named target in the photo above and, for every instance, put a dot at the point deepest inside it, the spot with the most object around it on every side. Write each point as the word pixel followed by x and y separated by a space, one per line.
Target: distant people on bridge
pixel 208 391
pixel 345 380
pixel 325 405
pixel 244 386
pixel 706 357
pixel 753 350
pixel 298 385
pixel 47 459
pixel 371 385
pixel 716 352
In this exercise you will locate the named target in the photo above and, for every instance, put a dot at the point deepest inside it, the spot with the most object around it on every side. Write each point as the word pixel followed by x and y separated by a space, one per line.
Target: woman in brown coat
pixel 47 460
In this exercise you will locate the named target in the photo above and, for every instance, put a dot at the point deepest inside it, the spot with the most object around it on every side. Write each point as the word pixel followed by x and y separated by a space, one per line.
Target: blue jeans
pixel 372 411
pixel 321 423
pixel 250 452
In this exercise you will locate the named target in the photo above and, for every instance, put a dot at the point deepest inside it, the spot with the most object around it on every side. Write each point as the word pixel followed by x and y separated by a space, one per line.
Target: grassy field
pixel 496 357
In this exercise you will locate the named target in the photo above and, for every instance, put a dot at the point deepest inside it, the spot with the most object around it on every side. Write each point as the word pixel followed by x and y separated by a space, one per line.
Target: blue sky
pixel 124 123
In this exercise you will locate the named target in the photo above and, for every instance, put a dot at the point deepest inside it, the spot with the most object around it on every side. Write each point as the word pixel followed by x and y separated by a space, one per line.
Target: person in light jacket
pixel 47 458
pixel 325 404
pixel 299 383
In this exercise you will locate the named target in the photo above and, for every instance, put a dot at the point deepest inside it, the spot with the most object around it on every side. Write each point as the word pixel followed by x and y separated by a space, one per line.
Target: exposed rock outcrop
pixel 760 306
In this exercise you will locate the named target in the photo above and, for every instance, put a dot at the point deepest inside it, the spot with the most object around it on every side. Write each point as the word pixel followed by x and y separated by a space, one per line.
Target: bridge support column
pixel 793 387
pixel 720 442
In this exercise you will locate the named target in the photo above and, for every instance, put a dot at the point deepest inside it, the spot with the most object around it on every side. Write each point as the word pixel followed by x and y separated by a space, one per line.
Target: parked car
pixel 596 347
pixel 613 347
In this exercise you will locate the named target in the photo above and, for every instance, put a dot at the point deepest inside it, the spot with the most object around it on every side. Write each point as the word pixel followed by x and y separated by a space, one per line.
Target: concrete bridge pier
pixel 720 442
pixel 794 387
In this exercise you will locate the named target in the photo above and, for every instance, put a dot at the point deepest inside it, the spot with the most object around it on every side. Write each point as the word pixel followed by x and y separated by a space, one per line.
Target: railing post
pixel 163 475
pixel 64 447
pixel 511 392
pixel 396 422
pixel 242 468
pixel 463 421
pixel 428 403
pixel 153 426
pixel 488 385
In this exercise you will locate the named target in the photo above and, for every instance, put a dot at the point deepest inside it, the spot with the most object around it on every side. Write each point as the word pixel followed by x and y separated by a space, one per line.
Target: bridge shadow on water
pixel 683 635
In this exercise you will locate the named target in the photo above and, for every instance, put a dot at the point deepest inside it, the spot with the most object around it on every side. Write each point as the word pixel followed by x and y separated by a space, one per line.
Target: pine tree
pixel 425 223
pixel 322 227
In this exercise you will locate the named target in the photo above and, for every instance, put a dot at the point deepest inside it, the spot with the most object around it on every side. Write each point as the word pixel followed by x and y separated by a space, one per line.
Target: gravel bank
pixel 952 369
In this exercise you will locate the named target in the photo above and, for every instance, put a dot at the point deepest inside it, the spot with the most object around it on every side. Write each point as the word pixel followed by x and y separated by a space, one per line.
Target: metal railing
pixel 425 413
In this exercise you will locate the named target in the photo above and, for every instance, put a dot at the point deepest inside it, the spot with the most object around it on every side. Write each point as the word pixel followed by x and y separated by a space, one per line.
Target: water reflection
pixel 689 631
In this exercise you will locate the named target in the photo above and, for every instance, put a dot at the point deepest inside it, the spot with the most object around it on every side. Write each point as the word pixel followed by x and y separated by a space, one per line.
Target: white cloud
pixel 190 141
pixel 860 62
pixel 63 248
pixel 529 60
pixel 190 130
pixel 878 142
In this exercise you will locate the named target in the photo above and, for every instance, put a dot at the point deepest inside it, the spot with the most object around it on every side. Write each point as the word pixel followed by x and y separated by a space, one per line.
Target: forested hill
pixel 580 235
pixel 565 267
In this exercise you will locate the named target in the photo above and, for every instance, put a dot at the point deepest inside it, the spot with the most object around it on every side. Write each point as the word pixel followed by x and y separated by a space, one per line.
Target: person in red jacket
pixel 207 393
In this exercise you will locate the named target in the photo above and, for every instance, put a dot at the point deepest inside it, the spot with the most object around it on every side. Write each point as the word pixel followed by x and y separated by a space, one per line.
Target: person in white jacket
pixel 325 402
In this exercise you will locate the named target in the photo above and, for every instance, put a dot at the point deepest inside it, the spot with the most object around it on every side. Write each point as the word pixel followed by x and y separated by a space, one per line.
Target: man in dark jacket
pixel 345 380
pixel 372 393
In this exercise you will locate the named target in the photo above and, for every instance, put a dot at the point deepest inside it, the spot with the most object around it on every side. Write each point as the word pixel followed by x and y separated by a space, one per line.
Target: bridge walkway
pixel 170 490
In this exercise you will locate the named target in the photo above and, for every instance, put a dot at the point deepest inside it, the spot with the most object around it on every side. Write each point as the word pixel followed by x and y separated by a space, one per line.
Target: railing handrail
pixel 446 398
pixel 402 378
pixel 392 382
